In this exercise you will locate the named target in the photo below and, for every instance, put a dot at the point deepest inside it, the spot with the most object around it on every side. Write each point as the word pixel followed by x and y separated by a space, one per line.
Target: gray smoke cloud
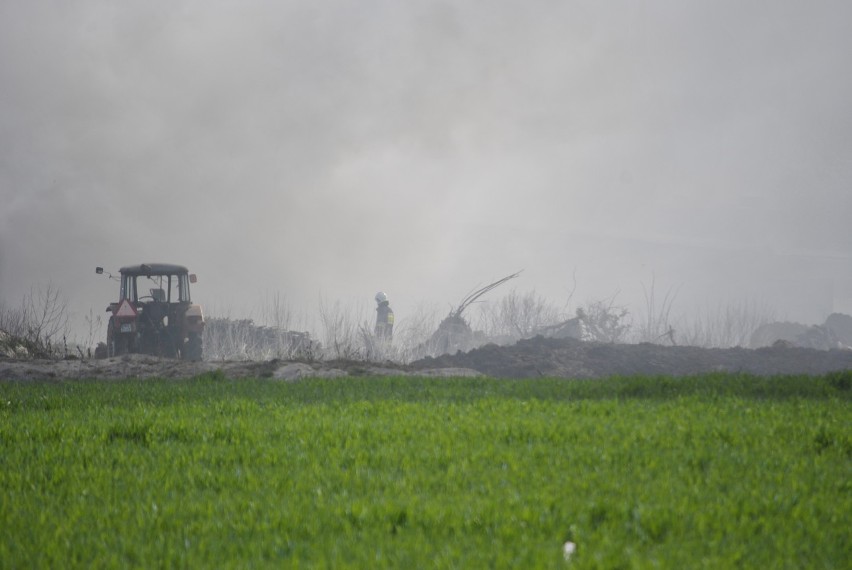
pixel 420 148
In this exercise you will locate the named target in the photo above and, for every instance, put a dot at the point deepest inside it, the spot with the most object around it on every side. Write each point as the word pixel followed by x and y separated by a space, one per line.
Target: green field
pixel 718 471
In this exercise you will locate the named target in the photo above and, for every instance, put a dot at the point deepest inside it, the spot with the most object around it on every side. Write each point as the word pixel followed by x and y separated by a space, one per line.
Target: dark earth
pixel 570 358
pixel 537 357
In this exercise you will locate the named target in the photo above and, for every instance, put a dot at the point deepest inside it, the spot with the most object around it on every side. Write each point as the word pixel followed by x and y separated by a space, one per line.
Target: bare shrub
pixel 411 333
pixel 655 324
pixel 242 339
pixel 343 332
pixel 271 337
pixel 604 321
pixel 277 313
pixel 725 326
pixel 227 339
pixel 94 323
pixel 454 332
pixel 13 320
pixel 38 324
pixel 596 321
pixel 516 316
pixel 418 326
pixel 600 320
pixel 348 334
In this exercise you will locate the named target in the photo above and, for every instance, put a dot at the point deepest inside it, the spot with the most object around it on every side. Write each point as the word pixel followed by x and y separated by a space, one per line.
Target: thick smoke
pixel 422 148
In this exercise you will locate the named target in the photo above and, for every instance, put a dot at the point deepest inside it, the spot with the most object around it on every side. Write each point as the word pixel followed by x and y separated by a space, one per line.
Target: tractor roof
pixel 154 269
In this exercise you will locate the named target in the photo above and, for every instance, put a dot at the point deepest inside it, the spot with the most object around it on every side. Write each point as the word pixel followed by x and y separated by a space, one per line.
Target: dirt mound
pixel 571 358
pixel 144 366
pixel 540 356
pixel 836 332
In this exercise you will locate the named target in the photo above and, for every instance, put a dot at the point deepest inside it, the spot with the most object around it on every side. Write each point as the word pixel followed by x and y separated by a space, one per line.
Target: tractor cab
pixel 154 313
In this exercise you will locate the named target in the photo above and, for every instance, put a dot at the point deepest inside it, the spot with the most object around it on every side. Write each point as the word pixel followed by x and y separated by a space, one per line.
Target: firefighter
pixel 384 318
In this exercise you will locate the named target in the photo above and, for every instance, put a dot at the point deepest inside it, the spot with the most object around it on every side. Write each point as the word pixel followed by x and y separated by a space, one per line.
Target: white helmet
pixel 381 297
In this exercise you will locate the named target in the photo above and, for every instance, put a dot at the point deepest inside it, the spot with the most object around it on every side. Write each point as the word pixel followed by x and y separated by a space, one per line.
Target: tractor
pixel 154 313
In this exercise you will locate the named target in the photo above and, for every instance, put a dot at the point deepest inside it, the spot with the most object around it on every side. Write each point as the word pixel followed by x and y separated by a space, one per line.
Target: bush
pixel 35 328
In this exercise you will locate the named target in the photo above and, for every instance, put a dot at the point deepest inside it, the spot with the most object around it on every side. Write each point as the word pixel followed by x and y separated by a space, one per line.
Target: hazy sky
pixel 338 148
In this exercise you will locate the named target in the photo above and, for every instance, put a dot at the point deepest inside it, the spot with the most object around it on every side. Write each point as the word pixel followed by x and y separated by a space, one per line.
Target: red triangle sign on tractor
pixel 125 309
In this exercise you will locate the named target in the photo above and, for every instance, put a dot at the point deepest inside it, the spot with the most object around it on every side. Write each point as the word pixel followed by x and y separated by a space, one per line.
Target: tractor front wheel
pixel 101 351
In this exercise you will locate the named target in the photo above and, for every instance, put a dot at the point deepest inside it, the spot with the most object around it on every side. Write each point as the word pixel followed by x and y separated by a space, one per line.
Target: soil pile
pixel 836 332
pixel 571 358
pixel 540 356
pixel 145 366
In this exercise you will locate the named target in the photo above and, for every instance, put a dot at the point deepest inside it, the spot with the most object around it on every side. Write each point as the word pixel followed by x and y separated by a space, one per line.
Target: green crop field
pixel 720 471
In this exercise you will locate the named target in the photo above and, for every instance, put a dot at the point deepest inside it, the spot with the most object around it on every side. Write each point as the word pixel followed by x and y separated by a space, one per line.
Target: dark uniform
pixel 384 321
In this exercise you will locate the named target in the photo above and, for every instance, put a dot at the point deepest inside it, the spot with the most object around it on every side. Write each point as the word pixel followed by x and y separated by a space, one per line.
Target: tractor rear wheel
pixel 111 340
pixel 116 344
pixel 192 349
